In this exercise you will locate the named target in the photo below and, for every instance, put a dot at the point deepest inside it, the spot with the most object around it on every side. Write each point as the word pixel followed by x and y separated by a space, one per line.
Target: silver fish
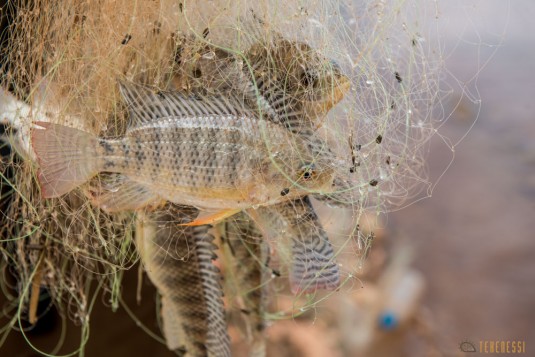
pixel 206 152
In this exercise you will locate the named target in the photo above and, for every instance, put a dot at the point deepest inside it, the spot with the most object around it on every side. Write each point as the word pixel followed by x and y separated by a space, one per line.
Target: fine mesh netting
pixel 352 84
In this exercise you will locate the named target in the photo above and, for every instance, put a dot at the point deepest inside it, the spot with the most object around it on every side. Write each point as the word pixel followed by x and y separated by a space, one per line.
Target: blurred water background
pixel 474 238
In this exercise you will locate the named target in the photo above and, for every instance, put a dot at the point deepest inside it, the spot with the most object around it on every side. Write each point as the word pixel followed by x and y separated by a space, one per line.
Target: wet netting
pixel 335 101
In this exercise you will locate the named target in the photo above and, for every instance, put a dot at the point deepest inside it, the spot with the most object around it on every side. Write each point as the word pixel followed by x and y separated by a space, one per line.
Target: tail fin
pixel 66 156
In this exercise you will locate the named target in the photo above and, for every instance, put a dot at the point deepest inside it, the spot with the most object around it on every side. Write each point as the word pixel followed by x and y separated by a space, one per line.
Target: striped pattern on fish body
pixel 288 82
pixel 178 261
pixel 186 151
pixel 214 70
pixel 292 85
pixel 250 255
pixel 281 86
pixel 313 265
pixel 299 84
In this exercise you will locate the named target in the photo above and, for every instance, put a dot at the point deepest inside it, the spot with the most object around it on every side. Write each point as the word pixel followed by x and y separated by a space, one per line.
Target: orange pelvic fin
pixel 212 218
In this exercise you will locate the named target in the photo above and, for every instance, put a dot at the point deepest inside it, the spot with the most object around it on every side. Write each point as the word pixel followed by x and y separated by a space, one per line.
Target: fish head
pixel 313 81
pixel 314 176
pixel 287 177
pixel 328 88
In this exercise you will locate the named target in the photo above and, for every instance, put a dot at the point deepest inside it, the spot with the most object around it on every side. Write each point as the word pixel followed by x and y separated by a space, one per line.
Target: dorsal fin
pixel 253 30
pixel 146 105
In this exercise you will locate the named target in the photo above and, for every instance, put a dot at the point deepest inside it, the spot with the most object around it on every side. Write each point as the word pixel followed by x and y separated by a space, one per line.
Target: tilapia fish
pixel 313 264
pixel 178 260
pixel 207 152
pixel 300 85
pixel 289 82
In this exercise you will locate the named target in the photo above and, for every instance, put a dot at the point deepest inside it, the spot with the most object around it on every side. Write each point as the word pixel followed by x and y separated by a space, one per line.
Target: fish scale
pixel 174 256
pixel 249 254
pixel 192 145
pixel 253 159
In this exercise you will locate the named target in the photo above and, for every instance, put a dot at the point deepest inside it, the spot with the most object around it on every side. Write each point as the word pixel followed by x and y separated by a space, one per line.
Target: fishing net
pixel 356 81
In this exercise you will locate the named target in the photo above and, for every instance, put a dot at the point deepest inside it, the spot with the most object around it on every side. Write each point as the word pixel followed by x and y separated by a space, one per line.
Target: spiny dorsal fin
pixel 147 105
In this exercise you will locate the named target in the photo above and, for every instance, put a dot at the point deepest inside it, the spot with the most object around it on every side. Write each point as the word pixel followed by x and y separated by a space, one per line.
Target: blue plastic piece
pixel 388 321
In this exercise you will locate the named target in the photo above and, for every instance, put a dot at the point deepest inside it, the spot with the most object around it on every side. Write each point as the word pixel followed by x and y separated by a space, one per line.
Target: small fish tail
pixel 67 157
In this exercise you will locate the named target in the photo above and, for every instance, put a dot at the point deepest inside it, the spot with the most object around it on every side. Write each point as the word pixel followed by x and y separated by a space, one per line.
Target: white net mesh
pixel 64 59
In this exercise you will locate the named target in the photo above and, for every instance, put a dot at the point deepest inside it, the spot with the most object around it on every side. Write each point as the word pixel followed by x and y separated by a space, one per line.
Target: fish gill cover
pixel 353 82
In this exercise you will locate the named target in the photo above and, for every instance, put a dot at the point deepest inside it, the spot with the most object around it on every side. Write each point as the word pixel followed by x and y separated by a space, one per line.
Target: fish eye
pixel 308 172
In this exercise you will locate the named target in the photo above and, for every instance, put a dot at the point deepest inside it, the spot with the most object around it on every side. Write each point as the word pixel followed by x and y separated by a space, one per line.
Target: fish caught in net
pixel 177 121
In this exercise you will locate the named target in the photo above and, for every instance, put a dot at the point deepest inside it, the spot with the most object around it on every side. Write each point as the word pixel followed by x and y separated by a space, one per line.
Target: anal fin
pixel 119 193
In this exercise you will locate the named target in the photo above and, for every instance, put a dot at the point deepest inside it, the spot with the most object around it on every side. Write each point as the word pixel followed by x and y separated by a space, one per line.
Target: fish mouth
pixel 325 103
pixel 342 87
